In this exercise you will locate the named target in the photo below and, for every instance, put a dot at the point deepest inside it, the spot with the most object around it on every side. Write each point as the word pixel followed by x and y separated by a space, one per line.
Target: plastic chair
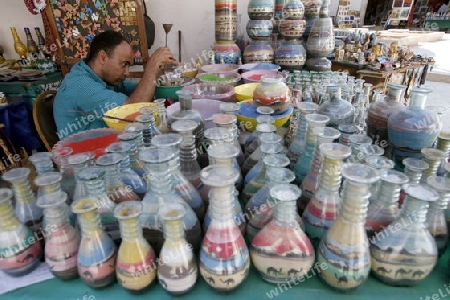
pixel 43 119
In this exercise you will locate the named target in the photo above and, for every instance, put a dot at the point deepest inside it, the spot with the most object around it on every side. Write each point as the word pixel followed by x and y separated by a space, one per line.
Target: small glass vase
pixel 224 256
pixel 177 272
pixel 414 167
pixel 97 253
pixel 78 162
pixel 436 212
pixel 281 251
pixel 404 253
pixel 131 139
pixel 68 183
pixel 230 122
pixel 136 264
pixel 338 110
pixel 346 256
pixel 21 254
pixel 26 209
pixel 62 240
pixel 148 121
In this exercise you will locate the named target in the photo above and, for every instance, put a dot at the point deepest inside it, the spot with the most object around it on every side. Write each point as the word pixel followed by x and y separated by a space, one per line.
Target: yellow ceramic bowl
pixel 122 112
pixel 245 91
pixel 249 123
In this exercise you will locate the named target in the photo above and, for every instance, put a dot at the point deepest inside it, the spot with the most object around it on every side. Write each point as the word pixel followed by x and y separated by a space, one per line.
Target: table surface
pixel 253 288
pixel 49 77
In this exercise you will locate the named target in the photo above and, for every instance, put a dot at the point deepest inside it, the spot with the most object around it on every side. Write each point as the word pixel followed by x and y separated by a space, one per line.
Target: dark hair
pixel 107 41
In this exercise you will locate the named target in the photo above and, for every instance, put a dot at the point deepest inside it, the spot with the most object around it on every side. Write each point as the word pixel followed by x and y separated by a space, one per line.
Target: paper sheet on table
pixel 9 283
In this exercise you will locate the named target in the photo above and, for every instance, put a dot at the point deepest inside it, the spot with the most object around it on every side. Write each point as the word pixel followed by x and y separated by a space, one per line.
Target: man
pixel 98 84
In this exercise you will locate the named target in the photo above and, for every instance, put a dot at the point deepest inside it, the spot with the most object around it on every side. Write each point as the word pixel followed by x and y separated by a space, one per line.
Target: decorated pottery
pixel 293 10
pixel 226 52
pixel 258 51
pixel 261 9
pixel 291 55
pixel 259 29
pixel 292 29
pixel 272 92
pixel 226 20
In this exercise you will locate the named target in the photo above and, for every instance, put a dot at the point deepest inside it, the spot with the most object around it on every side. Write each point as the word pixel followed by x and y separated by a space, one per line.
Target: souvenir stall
pixel 261 173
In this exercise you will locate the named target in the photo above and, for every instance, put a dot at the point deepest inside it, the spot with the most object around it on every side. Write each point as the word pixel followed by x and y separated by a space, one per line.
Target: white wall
pixel 14 13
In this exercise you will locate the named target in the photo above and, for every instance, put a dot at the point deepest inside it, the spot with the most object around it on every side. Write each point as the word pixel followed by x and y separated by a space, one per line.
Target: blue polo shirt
pixel 82 90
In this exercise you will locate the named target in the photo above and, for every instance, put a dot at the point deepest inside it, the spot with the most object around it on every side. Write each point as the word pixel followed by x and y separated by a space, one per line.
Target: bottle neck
pixel 417 101
pixel 149 131
pixel 90 223
pixel 443 145
pixel 355 202
pixel 221 202
pixel 56 215
pixel 433 166
pixel 22 191
pixel 173 231
pixel 414 176
pixel 388 194
pixel 43 166
pixel 8 219
pixel 130 229
pixel 77 169
pixel 112 176
pixel 160 180
pixel 185 103
pixel 96 188
pixel 286 212
pixel 330 177
pixel 50 188
pixel 415 211
pixel 188 152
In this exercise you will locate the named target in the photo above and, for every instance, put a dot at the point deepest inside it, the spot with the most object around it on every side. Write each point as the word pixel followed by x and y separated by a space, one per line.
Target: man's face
pixel 116 66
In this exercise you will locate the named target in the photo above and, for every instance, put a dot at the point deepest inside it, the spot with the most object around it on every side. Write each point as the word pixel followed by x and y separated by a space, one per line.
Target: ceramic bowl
pixel 255 75
pixel 220 68
pixel 206 107
pixel 245 91
pixel 122 112
pixel 169 91
pixel 259 66
pixel 211 90
pixel 246 116
pixel 230 78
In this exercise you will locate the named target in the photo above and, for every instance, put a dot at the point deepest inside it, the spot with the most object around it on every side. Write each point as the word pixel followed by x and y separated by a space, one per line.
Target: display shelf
pixel 253 288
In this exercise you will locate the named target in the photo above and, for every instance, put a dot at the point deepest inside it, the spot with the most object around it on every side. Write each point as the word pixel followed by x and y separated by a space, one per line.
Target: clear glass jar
pixel 136 261
pixel 15 235
pixel 281 250
pixel 62 240
pixel 97 253
pixel 382 164
pixel 224 256
pixel 379 112
pixel 187 113
pixel 404 253
pixel 177 272
pixel 338 110
pixel 116 189
pixel 344 249
pixel 272 92
pixel 160 193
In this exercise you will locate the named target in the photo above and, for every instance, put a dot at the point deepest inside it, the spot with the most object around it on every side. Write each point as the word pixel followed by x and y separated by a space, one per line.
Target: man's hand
pixel 160 57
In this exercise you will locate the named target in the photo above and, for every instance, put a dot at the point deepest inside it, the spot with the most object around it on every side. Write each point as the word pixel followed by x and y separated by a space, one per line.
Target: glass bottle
pixel 78 162
pixel 61 156
pixel 346 256
pixel 255 155
pixel 404 253
pixel 189 165
pixel 26 209
pixel 383 210
pixel 281 250
pixel 269 161
pixel 162 115
pixel 311 181
pixel 135 128
pixel 177 272
pixel 338 110
pixel 436 212
pixel 264 117
pixel 259 209
pixel 301 168
pixel 61 239
pixel 414 127
pixel 271 140
pixel 187 113
pixel 116 190
pixel 379 112
pixel 356 142
pixel 321 211
pixel 42 162
pixel 131 139
pixel 20 252
pixel 32 48
pixel 433 157
pixel 224 256
pixel 297 147
pixel 414 168
pixel 382 164
pixel 128 176
pixel 443 144
pixel 230 122
pixel 97 253
pixel 93 179
pixel 184 188
pixel 347 130
pixel 41 40
pixel 147 119
pixel 136 264
pixel 159 194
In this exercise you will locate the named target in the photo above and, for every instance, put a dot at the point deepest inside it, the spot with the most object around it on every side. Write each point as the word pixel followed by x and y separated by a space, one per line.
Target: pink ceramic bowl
pixel 220 68
pixel 255 75
pixel 211 90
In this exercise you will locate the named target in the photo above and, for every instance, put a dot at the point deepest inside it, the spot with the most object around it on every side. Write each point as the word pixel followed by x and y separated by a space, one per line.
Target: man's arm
pixel 145 90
